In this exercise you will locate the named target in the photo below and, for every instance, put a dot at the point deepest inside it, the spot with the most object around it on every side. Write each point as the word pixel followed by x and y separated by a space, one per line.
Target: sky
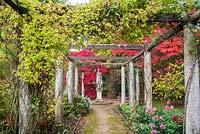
pixel 78 1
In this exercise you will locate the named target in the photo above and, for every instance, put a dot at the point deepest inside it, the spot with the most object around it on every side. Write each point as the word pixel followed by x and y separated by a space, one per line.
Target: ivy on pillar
pixel 148 79
pixel 76 80
pixel 123 91
pixel 137 81
pixel 131 84
pixel 70 81
pixel 191 73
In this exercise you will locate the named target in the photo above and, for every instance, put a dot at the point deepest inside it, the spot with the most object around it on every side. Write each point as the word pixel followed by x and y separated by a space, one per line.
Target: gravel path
pixel 105 120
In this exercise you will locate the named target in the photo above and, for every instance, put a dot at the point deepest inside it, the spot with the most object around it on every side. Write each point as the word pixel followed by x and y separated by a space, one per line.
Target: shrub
pixel 142 121
pixel 170 85
pixel 80 106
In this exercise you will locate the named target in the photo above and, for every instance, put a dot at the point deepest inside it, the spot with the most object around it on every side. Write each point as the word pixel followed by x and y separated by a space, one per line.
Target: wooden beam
pixel 21 10
pixel 101 63
pixel 115 46
pixel 165 17
pixel 99 58
pixel 166 35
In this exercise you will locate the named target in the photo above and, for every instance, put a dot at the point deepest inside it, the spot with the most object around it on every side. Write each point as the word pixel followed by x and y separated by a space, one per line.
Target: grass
pixel 92 124
pixel 116 125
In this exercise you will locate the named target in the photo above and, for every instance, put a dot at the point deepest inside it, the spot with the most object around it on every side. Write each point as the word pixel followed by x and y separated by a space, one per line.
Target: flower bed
pixel 142 121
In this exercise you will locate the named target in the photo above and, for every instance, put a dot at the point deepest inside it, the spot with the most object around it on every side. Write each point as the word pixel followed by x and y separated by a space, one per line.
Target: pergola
pixel 101 61
pixel 191 69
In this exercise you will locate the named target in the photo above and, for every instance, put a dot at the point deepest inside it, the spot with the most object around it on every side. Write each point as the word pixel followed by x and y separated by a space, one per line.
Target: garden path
pixel 104 119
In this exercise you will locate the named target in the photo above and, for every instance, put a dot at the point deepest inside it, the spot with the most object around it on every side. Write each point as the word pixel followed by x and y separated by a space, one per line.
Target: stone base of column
pixel 99 95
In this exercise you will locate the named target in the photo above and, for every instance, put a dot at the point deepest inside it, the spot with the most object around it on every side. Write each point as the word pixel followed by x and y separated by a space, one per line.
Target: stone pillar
pixel 137 81
pixel 191 73
pixel 76 80
pixel 148 80
pixel 131 84
pixel 59 92
pixel 70 82
pixel 99 85
pixel 82 85
pixel 123 90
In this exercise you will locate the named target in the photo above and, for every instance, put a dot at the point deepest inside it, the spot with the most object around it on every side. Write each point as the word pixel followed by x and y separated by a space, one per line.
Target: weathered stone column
pixel 76 80
pixel 25 110
pixel 131 84
pixel 191 73
pixel 123 90
pixel 70 81
pixel 59 92
pixel 82 85
pixel 148 79
pixel 137 81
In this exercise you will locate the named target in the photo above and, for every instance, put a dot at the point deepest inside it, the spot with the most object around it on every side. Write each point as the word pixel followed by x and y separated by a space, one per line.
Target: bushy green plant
pixel 80 106
pixel 170 85
pixel 142 121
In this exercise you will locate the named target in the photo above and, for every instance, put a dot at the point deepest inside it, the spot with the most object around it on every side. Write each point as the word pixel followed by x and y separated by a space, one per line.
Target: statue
pixel 99 80
pixel 99 85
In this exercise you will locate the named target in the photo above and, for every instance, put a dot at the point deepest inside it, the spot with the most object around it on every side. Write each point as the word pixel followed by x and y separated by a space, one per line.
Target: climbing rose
pixel 161 118
pixel 153 125
pixel 166 108
pixel 153 131
pixel 180 120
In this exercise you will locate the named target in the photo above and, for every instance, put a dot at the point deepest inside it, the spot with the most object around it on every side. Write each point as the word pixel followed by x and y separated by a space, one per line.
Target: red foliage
pixel 89 74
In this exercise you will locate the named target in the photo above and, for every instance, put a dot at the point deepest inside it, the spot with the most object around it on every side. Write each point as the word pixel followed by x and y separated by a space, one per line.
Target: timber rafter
pixel 116 46
pixel 100 58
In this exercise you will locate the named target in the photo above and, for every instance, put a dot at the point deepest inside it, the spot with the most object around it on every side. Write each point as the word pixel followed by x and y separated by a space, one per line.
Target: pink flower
pixel 130 132
pixel 171 107
pixel 129 122
pixel 137 115
pixel 155 118
pixel 166 108
pixel 154 109
pixel 180 120
pixel 148 110
pixel 168 102
pixel 132 110
pixel 162 126
pixel 161 118
pixel 174 118
pixel 153 131
pixel 153 125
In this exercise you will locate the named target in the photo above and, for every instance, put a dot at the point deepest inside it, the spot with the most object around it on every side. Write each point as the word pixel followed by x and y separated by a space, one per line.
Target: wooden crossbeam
pixel 166 35
pixel 21 10
pixel 100 58
pixel 115 46
pixel 165 17
pixel 101 63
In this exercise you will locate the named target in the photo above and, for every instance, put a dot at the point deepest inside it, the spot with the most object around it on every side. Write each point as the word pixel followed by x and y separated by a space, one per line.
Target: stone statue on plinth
pixel 99 84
